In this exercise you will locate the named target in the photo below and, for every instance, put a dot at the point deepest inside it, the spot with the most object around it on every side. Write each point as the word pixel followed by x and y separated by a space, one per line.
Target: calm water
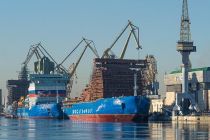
pixel 12 129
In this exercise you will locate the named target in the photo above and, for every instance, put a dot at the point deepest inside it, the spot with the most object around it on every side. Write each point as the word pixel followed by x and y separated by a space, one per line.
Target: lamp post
pixel 135 88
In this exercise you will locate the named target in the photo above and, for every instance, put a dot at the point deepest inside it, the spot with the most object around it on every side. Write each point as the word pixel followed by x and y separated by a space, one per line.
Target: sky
pixel 60 24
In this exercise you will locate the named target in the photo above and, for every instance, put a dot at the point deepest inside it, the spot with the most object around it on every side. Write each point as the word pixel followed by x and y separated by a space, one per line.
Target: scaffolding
pixel 114 78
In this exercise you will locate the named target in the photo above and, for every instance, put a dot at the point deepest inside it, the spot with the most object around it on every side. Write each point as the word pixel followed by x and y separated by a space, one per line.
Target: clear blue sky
pixel 60 24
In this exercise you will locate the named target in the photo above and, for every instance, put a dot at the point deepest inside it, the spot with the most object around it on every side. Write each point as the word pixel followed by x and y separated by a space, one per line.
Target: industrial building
pixel 16 89
pixel 156 105
pixel 198 87
pixel 115 77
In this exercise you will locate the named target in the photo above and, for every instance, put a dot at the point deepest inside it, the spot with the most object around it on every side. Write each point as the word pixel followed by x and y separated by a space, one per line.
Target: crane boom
pixel 73 67
pixel 34 49
pixel 70 53
pixel 93 49
pixel 132 32
pixel 125 48
pixel 133 28
pixel 88 42
pixel 78 61
pixel 47 53
pixel 38 56
pixel 39 51
pixel 31 52
pixel 112 45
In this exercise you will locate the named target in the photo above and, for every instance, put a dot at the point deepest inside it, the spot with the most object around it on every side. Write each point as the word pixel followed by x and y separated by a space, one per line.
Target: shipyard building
pixel 115 77
pixel 199 87
pixel 16 89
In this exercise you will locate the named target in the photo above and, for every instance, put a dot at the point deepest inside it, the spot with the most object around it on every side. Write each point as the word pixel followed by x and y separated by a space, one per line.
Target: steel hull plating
pixel 108 118
pixel 122 109
pixel 42 111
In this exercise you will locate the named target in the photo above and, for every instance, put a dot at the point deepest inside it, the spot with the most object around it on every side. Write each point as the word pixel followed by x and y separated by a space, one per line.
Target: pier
pixel 202 119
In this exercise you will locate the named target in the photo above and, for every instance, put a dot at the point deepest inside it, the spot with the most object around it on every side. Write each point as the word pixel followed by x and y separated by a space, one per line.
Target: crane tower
pixel 185 47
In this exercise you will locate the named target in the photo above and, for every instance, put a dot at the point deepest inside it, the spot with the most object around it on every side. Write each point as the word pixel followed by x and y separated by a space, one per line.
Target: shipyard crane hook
pixel 132 32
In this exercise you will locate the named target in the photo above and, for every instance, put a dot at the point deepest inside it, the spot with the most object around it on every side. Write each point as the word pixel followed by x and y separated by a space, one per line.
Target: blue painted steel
pixel 133 105
pixel 47 111
pixel 47 91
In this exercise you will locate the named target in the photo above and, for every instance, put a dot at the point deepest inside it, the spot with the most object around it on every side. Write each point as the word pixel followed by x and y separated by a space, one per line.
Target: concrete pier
pixel 203 119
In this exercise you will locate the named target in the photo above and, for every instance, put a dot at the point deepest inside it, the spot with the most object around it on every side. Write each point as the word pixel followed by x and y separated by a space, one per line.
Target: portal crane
pixel 24 72
pixel 73 67
pixel 93 49
pixel 40 52
pixel 33 50
pixel 88 42
pixel 133 29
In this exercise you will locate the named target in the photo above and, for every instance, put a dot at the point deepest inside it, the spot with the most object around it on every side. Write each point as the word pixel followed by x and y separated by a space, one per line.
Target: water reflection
pixel 11 129
pixel 186 131
pixel 180 131
pixel 114 130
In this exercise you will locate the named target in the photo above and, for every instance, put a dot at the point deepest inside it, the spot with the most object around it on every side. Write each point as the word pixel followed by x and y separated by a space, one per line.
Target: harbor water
pixel 14 129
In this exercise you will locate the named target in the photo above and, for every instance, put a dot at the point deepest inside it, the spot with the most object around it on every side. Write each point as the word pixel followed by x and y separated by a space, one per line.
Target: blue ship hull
pixel 41 111
pixel 121 109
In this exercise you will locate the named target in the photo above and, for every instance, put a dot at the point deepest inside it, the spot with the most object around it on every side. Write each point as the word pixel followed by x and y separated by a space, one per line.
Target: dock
pixel 202 119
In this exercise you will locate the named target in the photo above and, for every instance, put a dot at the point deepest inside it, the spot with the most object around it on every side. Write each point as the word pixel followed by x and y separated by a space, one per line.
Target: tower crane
pixel 73 67
pixel 134 30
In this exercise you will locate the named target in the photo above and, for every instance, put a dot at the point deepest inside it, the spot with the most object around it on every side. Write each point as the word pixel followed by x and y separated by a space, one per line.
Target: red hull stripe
pixel 104 118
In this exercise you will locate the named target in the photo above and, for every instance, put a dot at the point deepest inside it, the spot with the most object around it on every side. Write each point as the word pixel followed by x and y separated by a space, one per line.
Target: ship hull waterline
pixel 121 109
pixel 108 118
pixel 43 111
